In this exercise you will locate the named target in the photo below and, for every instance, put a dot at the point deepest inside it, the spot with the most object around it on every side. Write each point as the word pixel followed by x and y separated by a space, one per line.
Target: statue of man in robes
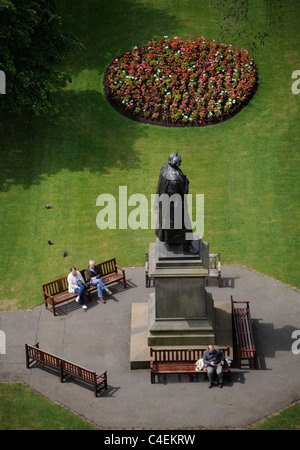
pixel 173 222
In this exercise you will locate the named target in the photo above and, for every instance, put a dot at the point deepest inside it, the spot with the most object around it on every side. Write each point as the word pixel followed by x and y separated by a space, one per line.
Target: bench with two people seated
pixel 65 368
pixel 56 292
pixel 183 362
pixel 244 333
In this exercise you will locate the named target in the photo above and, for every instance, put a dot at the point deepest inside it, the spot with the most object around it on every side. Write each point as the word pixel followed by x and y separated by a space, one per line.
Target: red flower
pixel 172 73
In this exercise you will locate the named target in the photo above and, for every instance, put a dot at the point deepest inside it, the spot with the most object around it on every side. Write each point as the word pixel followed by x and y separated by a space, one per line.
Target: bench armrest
pixel 120 268
pixel 48 295
pixel 101 375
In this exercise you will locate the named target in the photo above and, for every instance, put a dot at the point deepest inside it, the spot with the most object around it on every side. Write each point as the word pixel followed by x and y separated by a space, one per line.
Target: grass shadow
pixel 86 134
pixel 111 27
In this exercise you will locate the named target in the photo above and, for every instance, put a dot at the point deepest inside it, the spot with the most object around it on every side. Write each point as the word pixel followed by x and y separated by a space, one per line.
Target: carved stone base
pixel 178 331
pixel 181 312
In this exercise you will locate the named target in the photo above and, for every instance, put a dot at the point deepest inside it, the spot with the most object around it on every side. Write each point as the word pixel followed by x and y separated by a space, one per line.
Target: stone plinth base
pixel 180 311
pixel 139 348
pixel 174 331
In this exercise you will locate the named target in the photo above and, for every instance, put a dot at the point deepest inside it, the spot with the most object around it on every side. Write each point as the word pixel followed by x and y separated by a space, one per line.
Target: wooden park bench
pixel 182 362
pixel 244 334
pixel 56 292
pixel 65 368
pixel 215 266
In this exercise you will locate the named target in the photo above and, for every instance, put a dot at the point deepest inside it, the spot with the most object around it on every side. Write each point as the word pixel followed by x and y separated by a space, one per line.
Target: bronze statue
pixel 173 222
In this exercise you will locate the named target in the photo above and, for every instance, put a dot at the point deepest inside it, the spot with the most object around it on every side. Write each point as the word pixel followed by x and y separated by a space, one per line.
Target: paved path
pixel 99 339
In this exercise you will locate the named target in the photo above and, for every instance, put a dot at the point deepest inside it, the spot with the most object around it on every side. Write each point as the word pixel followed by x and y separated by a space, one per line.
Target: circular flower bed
pixel 180 82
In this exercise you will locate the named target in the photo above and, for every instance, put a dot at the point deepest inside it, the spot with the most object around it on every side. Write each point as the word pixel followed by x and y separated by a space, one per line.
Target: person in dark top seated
pixel 93 275
pixel 214 358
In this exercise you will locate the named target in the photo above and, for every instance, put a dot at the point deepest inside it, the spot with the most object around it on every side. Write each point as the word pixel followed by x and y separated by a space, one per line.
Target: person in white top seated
pixel 77 285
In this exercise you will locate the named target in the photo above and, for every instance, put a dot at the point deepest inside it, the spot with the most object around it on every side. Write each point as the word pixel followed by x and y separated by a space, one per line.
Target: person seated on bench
pixel 76 284
pixel 93 275
pixel 214 358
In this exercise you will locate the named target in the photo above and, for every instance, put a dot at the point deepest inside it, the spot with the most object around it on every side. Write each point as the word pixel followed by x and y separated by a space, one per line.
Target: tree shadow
pixel 86 133
pixel 110 28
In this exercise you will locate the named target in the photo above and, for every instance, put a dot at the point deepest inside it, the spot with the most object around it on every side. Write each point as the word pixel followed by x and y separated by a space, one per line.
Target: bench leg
pixel 61 371
pixel 27 356
pixel 53 308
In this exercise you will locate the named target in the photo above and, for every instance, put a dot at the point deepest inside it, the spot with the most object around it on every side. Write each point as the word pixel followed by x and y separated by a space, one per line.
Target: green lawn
pixel 247 168
pixel 21 408
pixel 287 419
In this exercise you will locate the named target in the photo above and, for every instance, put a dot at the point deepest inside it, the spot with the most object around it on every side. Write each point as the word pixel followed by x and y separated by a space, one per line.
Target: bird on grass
pixel 65 254
pixel 50 243
pixel 48 206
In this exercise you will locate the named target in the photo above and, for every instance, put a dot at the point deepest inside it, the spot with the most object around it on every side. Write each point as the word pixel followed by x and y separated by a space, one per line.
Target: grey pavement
pixel 99 339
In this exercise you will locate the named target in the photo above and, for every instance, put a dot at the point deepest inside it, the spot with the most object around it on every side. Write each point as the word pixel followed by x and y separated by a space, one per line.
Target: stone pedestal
pixel 180 311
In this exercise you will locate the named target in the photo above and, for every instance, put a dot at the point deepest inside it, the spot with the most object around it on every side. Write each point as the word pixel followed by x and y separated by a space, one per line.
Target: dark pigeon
pixel 48 206
pixel 49 242
pixel 65 254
